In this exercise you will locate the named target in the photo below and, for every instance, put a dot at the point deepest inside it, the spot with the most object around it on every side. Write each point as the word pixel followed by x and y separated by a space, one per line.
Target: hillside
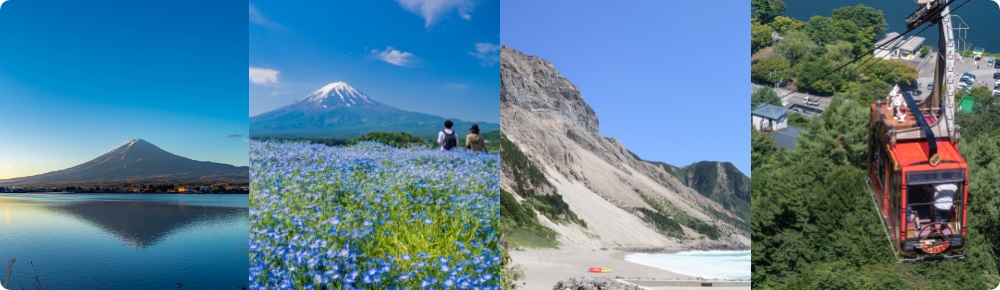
pixel 597 193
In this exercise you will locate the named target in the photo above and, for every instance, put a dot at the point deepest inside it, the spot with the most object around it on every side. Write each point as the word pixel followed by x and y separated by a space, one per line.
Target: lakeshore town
pixel 135 188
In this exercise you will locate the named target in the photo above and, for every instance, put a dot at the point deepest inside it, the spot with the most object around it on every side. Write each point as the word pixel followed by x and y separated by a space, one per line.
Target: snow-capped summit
pixel 338 94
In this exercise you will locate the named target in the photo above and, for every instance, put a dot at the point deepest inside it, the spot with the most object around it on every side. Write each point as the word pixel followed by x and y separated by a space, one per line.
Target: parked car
pixel 996 90
pixel 967 79
pixel 989 62
pixel 996 76
pixel 996 64
pixel 930 86
pixel 996 83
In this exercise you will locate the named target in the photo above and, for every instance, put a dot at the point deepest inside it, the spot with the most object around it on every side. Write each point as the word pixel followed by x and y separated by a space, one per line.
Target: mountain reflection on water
pixel 142 224
pixel 128 241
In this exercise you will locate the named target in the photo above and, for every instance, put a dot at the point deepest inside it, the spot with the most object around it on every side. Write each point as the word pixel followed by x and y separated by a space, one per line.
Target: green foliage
pixel 518 221
pixel 519 225
pixel 399 140
pixel 554 208
pixel 761 149
pixel 666 214
pixel 663 223
pixel 889 71
pixel 863 17
pixel 925 50
pixel 766 11
pixel 760 36
pixel 785 25
pixel 796 47
pixel 841 135
pixel 797 120
pixel 492 139
pixel 771 70
pixel 324 141
pixel 527 177
pixel 764 95
pixel 866 92
pixel 509 273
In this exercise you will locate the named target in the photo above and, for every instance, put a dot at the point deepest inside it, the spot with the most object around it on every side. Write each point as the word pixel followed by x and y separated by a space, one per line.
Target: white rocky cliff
pixel 546 117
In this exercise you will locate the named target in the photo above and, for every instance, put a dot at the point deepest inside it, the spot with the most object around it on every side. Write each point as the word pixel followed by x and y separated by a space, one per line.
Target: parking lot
pixel 984 75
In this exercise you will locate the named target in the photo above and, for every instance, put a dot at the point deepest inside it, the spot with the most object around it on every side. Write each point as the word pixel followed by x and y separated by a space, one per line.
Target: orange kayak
pixel 599 270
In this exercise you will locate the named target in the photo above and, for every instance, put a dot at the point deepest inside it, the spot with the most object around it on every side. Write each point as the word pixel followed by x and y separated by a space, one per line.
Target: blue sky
pixel 79 78
pixel 429 56
pixel 669 79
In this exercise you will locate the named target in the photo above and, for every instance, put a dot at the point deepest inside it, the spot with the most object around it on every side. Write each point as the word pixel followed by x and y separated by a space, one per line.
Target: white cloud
pixel 394 56
pixel 257 18
pixel 433 10
pixel 263 76
pixel 5 167
pixel 489 53
pixel 456 86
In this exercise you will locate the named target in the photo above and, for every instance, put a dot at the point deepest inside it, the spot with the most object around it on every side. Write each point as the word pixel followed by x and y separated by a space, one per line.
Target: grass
pixel 523 238
pixel 371 216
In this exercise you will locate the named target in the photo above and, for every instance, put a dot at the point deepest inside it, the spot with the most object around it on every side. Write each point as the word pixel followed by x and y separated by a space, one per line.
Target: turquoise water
pixel 982 17
pixel 125 241
pixel 711 264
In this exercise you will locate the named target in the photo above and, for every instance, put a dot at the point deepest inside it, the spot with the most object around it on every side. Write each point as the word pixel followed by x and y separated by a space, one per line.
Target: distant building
pixel 767 117
pixel 911 47
pixel 891 48
pixel 206 189
pixel 886 47
pixel 773 121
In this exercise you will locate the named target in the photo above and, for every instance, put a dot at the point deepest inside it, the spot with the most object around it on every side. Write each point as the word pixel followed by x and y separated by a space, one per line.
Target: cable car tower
pixel 917 178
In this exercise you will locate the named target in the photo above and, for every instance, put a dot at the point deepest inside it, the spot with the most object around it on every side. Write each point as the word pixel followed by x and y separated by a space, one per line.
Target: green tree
pixel 785 25
pixel 764 95
pixel 889 71
pixel 760 36
pixel 764 11
pixel 863 16
pixel 795 47
pixel 820 30
pixel 841 135
pixel 771 70
pixel 865 92
pixel 925 50
pixel 761 148
pixel 814 75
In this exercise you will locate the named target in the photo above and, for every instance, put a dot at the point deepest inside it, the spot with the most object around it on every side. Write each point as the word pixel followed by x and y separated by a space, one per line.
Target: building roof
pixel 886 39
pixel 769 111
pixel 913 44
pixel 786 138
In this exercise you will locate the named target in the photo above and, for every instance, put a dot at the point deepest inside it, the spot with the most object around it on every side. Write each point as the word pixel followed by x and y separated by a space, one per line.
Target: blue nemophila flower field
pixel 370 216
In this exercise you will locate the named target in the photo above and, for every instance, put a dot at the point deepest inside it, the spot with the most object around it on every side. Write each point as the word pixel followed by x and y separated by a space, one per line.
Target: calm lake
pixel 125 241
pixel 710 264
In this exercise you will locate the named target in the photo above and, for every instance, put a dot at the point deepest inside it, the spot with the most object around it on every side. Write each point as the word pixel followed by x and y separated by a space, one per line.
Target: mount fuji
pixel 338 110
pixel 137 161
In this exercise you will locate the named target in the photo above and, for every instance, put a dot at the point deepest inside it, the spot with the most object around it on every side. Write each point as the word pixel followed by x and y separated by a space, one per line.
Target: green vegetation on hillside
pixel 518 222
pixel 667 216
pixel 814 225
pixel 399 140
pixel 703 177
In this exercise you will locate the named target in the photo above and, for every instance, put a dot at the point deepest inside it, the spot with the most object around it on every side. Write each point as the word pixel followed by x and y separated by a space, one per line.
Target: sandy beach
pixel 544 268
